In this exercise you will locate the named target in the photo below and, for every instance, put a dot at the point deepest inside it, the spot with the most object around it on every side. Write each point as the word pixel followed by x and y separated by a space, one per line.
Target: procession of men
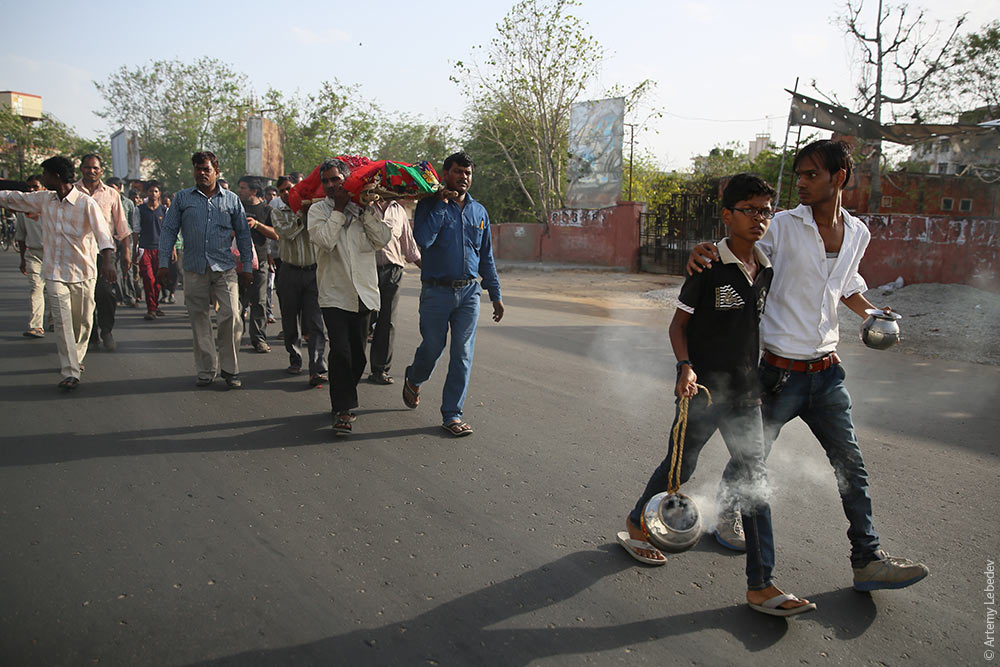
pixel 336 266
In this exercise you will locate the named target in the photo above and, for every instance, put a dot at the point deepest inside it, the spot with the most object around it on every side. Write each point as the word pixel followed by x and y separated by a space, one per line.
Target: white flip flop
pixel 772 607
pixel 631 545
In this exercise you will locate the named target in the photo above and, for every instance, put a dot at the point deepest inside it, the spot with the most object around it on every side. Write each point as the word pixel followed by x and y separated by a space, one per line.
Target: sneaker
pixel 149 316
pixel 234 382
pixel 888 572
pixel 171 298
pixel 729 531
pixel 109 342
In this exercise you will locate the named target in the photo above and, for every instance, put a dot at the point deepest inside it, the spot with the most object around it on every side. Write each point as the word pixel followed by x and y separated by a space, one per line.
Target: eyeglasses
pixel 751 212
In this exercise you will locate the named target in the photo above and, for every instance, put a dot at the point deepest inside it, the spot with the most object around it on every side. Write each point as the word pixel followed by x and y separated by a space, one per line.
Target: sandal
pixel 411 394
pixel 457 428
pixel 343 424
pixel 69 384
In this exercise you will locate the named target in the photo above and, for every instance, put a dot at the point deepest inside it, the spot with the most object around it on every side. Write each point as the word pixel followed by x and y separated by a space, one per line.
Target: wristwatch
pixel 683 362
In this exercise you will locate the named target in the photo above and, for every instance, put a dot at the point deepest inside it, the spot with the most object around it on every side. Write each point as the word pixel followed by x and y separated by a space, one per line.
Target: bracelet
pixel 683 362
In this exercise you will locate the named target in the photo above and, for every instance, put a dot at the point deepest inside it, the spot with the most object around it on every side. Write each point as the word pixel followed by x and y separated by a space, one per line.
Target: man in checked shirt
pixel 73 232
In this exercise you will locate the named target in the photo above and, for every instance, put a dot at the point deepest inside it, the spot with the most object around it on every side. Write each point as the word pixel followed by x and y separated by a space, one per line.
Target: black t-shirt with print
pixel 723 332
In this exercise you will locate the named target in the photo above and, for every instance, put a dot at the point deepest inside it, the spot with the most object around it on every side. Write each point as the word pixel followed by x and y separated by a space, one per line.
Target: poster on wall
pixel 596 134
pixel 125 157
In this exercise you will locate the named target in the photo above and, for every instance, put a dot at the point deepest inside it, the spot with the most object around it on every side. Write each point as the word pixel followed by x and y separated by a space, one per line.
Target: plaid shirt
pixel 110 202
pixel 73 231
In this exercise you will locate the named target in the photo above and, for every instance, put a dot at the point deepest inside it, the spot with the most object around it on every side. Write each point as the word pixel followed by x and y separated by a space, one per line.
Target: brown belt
pixel 799 366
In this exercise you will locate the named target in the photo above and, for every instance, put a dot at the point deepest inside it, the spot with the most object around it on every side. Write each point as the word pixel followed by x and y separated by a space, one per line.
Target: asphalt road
pixel 144 521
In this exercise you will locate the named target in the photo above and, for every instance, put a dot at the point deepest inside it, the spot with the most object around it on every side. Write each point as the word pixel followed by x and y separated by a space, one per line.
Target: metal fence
pixel 670 231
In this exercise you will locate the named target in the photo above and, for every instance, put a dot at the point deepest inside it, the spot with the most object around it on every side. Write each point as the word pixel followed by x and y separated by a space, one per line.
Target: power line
pixel 723 120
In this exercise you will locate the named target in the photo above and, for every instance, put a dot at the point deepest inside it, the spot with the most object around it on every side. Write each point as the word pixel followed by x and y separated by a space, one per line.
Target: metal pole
pixel 631 154
pixel 798 137
pixel 784 146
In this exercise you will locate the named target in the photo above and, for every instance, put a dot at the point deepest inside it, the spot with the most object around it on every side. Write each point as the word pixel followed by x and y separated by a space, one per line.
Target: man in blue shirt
pixel 209 217
pixel 453 232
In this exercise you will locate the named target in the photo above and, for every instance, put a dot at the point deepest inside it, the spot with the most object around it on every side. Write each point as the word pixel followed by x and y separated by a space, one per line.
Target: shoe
pixel 149 316
pixel 411 393
pixel 293 369
pixel 203 382
pixel 772 606
pixel 34 333
pixel 457 428
pixel 317 380
pixel 68 384
pixel 171 299
pixel 261 347
pixel 233 381
pixel 888 572
pixel 109 342
pixel 270 320
pixel 381 378
pixel 729 531
pixel 159 313
pixel 342 425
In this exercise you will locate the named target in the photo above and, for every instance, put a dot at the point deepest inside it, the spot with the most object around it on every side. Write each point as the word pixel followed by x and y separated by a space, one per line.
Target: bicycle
pixel 7 235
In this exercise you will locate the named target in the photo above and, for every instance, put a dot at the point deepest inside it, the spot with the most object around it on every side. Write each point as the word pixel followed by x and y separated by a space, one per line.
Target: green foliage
pixel 970 80
pixel 535 68
pixel 651 184
pixel 28 144
pixel 494 183
pixel 408 139
pixel 179 108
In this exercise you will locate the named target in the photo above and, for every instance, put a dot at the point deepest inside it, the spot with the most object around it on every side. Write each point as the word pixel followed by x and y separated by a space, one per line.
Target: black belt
pixel 311 267
pixel 453 284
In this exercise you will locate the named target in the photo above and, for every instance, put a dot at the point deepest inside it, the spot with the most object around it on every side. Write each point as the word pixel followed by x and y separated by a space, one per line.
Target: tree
pixel 970 81
pixel 29 143
pixel 538 64
pixel 408 139
pixel 179 108
pixel 892 57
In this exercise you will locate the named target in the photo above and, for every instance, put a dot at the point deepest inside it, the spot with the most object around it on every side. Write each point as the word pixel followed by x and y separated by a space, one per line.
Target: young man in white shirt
pixel 815 250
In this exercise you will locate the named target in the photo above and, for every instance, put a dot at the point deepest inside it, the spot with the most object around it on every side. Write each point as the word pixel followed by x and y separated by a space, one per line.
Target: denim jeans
pixel 742 432
pixel 822 401
pixel 442 308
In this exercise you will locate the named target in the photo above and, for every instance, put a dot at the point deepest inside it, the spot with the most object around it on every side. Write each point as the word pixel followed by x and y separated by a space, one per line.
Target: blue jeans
pixel 822 401
pixel 442 308
pixel 743 434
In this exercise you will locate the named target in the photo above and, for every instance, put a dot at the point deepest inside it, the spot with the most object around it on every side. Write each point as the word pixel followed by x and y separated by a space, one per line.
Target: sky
pixel 720 67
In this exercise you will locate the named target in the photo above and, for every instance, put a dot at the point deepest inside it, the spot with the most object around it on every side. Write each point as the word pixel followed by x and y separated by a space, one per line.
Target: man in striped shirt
pixel 73 232
pixel 298 294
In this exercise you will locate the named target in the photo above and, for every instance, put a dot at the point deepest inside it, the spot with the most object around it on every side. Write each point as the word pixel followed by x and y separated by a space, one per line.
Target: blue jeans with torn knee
pixel 441 309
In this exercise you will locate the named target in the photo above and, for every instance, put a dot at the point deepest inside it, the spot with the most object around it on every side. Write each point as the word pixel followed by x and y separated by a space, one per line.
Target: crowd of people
pixel 773 284
pixel 334 266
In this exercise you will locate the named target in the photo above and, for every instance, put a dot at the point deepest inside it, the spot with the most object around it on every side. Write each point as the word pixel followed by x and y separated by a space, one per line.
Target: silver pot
pixel 881 330
pixel 672 521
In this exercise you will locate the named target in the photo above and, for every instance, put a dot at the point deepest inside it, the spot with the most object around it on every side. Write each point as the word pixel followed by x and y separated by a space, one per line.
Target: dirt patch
pixel 955 322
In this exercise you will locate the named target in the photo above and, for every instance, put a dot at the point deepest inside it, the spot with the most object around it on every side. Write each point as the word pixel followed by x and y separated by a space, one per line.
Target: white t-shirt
pixel 800 316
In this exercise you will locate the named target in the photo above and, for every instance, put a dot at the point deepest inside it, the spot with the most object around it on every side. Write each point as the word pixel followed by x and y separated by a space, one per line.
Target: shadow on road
pixel 459 632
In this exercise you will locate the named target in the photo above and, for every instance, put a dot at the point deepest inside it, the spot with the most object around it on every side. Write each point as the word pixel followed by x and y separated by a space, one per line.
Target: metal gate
pixel 671 230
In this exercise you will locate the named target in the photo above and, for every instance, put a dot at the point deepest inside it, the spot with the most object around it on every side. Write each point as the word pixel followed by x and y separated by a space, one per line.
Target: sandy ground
pixel 952 322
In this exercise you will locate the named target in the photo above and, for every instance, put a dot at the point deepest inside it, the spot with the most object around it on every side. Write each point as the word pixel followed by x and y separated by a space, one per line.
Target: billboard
pixel 265 148
pixel 596 134
pixel 125 154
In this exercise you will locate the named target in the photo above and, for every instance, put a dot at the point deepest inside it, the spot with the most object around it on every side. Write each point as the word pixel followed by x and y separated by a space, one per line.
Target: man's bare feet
pixel 635 532
pixel 763 595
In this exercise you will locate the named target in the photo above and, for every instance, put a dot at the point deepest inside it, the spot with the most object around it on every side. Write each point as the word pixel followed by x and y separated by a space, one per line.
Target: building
pixel 25 105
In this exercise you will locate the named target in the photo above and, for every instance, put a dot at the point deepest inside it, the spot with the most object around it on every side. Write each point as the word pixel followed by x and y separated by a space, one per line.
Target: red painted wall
pixel 922 194
pixel 601 237
pixel 929 249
